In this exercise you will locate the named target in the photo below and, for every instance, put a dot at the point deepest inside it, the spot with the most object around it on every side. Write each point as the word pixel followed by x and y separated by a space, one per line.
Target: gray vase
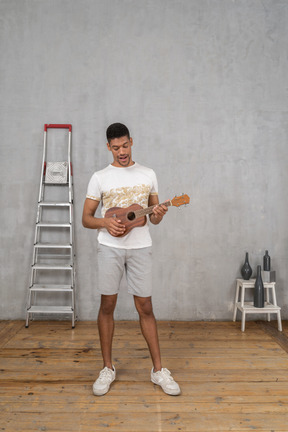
pixel 259 290
pixel 246 270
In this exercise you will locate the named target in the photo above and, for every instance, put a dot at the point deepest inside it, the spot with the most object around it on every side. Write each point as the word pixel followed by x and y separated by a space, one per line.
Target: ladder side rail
pixel 70 183
pixel 70 174
pixel 74 291
pixel 72 232
pixel 43 169
pixel 70 186
pixel 72 276
pixel 37 235
pixel 72 224
pixel 28 306
pixel 29 296
pixel 34 256
pixel 40 208
pixel 71 213
pixel 73 255
pixel 72 250
pixel 35 261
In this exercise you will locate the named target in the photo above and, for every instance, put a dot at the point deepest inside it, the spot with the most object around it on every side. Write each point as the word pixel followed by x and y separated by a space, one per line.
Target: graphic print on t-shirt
pixel 126 196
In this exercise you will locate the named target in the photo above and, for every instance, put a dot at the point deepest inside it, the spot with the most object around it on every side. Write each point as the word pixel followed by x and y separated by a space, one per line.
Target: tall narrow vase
pixel 259 290
pixel 266 262
pixel 246 270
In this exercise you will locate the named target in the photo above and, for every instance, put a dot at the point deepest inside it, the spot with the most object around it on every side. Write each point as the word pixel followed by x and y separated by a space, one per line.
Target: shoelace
pixel 167 374
pixel 105 373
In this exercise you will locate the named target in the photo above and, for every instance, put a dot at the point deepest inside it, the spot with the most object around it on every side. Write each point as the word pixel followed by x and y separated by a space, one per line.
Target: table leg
pixel 279 321
pixel 268 301
pixel 236 301
pixel 243 321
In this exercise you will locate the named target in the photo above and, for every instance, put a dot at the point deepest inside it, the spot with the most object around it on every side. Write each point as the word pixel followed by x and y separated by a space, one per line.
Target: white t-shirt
pixel 122 187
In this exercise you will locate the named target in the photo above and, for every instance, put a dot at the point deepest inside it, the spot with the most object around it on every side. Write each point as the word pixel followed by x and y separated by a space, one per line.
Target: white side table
pixel 248 307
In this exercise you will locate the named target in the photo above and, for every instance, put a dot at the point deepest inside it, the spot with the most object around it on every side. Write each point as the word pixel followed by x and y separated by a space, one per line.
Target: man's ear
pixel 131 141
pixel 108 146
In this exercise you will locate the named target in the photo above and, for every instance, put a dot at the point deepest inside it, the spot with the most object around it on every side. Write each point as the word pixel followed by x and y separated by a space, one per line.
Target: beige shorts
pixel 136 264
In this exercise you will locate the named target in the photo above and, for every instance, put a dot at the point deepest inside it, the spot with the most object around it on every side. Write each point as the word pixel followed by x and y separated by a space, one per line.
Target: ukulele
pixel 135 215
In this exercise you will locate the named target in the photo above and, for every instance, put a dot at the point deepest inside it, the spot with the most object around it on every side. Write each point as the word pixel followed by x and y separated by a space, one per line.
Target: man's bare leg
pixel 106 327
pixel 149 329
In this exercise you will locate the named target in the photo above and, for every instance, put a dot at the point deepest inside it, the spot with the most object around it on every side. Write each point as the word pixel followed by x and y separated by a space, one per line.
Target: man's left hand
pixel 159 212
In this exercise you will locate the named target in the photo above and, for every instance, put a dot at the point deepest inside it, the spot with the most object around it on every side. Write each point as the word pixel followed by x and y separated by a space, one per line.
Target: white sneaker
pixel 102 384
pixel 164 379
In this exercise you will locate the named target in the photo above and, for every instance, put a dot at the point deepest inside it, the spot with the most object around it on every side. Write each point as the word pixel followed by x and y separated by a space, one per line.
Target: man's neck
pixel 116 165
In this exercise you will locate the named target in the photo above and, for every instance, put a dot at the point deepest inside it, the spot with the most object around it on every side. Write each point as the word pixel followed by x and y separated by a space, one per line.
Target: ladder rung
pixel 40 266
pixel 50 309
pixel 53 225
pixel 53 245
pixel 66 183
pixel 48 288
pixel 56 258
pixel 54 204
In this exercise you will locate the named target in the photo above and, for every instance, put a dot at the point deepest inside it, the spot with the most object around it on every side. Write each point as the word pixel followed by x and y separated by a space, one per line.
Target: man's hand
pixel 114 226
pixel 159 212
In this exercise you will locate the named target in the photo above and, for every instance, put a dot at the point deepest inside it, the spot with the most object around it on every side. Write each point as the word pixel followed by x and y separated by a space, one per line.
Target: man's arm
pixel 159 210
pixel 112 225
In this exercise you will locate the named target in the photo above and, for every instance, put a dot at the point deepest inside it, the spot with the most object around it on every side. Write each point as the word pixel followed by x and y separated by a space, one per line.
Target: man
pixel 122 184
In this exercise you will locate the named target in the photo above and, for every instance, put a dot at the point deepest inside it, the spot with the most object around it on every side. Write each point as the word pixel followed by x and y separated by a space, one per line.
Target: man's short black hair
pixel 117 130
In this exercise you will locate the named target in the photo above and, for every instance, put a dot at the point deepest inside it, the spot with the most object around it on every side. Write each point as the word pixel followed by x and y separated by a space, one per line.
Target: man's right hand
pixel 114 226
pixel 111 224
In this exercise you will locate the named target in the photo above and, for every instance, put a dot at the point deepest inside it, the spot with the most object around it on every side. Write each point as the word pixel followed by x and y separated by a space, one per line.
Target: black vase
pixel 246 270
pixel 266 262
pixel 259 290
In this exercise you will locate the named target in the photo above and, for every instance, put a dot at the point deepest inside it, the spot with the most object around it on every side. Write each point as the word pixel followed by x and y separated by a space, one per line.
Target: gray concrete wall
pixel 202 84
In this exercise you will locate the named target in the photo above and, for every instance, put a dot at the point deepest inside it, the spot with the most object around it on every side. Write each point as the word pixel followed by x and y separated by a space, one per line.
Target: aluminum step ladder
pixel 52 281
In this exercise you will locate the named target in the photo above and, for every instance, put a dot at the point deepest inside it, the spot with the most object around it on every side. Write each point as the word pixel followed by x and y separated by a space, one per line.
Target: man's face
pixel 121 151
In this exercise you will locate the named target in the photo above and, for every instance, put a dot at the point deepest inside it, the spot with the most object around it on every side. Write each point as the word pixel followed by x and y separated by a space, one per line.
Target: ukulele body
pixel 127 216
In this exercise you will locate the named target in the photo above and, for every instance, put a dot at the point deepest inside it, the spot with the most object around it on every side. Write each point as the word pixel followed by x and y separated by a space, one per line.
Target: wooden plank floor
pixel 231 381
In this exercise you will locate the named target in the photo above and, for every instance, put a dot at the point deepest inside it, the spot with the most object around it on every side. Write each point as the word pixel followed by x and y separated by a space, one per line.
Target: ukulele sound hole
pixel 131 216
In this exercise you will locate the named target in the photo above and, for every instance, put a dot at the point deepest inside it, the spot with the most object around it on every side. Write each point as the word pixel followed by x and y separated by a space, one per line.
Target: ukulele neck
pixel 149 210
